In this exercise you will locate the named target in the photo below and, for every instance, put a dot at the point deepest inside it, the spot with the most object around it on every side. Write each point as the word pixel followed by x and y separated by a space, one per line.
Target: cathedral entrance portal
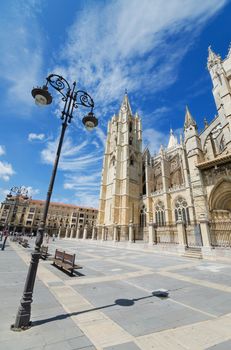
pixel 220 208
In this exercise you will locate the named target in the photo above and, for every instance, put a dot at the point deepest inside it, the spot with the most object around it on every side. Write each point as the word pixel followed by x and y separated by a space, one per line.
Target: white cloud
pixel 2 150
pixel 88 199
pixel 32 136
pixel 73 157
pixel 3 193
pixel 31 191
pixel 81 164
pixel 101 135
pixel 6 171
pixel 133 51
pixel 153 139
pixel 21 51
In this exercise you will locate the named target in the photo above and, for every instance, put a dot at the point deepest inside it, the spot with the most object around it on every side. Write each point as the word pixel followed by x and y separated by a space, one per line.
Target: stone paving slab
pixel 215 272
pixel 79 273
pixel 147 314
pixel 203 298
pixel 156 261
pixel 226 345
pixel 111 305
pixel 59 334
pixel 125 346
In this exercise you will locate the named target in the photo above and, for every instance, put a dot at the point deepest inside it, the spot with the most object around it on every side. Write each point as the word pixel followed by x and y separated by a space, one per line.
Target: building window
pixel 160 214
pixel 182 211
pixel 30 216
pixel 130 127
pixel 32 210
pixel 131 160
pixel 143 220
pixel 222 144
pixel 130 141
pixel 81 215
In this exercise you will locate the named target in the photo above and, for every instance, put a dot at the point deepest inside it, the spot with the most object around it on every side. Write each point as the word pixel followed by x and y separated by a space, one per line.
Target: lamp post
pixel 19 192
pixel 72 98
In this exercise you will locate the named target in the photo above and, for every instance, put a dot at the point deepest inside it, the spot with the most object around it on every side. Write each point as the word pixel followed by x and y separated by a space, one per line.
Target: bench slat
pixel 65 261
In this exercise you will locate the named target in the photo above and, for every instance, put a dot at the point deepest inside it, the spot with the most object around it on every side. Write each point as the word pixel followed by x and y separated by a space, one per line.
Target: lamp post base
pixel 14 329
pixel 22 321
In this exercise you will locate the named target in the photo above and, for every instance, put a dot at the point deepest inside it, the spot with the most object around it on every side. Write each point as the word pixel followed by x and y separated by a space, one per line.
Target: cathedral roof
pixel 189 119
pixel 172 140
pixel 125 106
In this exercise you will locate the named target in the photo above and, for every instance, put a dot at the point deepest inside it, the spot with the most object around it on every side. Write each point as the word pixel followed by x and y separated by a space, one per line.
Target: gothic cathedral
pixel 182 195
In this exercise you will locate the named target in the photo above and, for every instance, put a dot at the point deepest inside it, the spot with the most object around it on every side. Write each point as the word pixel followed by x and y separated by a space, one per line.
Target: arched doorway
pixel 220 210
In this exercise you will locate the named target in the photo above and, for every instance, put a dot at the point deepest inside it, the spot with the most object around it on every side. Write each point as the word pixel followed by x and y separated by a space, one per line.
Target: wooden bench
pixel 25 243
pixel 65 261
pixel 44 252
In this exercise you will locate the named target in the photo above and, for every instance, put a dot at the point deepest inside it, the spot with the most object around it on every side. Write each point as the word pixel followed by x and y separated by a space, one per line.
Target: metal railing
pixel 167 234
pixel 220 233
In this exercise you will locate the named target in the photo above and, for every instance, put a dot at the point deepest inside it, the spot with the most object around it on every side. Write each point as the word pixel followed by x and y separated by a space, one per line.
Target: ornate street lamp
pixel 72 98
pixel 18 192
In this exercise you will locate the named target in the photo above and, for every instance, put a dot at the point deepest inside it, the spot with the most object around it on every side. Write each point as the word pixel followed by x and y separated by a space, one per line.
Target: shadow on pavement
pixel 120 302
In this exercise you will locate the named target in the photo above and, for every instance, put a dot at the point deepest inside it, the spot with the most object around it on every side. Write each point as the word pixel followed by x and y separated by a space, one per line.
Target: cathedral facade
pixel 180 197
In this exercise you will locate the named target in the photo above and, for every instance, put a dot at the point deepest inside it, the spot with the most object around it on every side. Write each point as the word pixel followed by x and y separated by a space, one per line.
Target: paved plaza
pixel 109 303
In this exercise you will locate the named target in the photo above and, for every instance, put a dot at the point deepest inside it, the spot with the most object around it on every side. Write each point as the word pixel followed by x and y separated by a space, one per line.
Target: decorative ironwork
pixel 58 83
pixel 84 99
pixel 220 234
pixel 167 234
pixel 41 97
pixel 18 191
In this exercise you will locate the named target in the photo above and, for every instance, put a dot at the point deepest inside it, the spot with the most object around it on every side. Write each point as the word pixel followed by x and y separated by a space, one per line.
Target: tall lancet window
pixel 160 214
pixel 130 127
pixel 182 211
pixel 143 220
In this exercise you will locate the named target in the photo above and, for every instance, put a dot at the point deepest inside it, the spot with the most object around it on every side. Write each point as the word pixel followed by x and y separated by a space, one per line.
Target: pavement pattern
pixel 109 303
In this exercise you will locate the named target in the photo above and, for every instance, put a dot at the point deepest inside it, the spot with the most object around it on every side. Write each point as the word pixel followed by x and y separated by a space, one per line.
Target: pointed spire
pixel 161 150
pixel 125 106
pixel 189 119
pixel 213 58
pixel 206 122
pixel 172 140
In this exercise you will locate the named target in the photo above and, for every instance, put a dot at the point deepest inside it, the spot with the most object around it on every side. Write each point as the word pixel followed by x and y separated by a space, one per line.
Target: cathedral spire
pixel 189 119
pixel 213 58
pixel 125 106
pixel 172 140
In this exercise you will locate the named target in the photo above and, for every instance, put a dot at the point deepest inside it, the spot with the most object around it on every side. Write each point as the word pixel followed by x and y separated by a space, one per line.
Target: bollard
pixel 4 243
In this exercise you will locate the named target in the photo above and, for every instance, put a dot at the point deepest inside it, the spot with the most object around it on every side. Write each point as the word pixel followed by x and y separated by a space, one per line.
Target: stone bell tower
pixel 221 78
pixel 121 175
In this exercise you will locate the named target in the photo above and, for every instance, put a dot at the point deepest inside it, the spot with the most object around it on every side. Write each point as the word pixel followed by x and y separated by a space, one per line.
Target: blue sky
pixel 156 50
